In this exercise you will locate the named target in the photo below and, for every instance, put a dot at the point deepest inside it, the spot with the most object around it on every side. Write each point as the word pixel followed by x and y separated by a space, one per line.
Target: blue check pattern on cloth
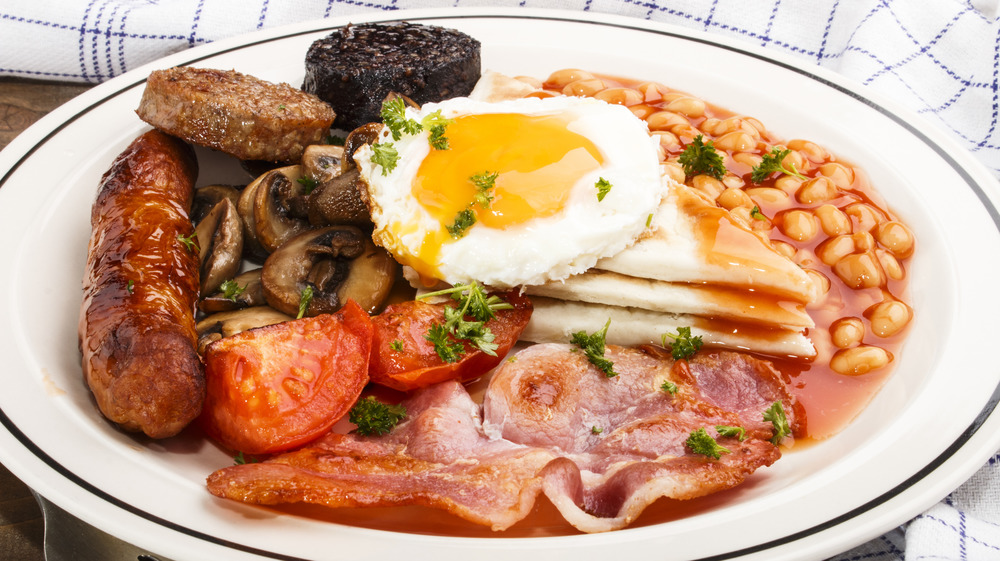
pixel 939 58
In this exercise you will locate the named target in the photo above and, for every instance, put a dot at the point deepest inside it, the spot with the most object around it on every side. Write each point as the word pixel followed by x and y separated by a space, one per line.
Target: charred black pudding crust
pixel 355 67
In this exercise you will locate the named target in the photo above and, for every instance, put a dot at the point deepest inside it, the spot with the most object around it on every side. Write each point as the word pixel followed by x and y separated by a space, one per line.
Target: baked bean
pixel 712 126
pixel 864 216
pixel 585 88
pixel 847 332
pixel 741 124
pixel 820 281
pixel 736 141
pixel 686 131
pixel 784 248
pixel 814 152
pixel 732 181
pixel 668 140
pixel 768 195
pixel 664 120
pixel 732 198
pixel 561 78
pixel 888 317
pixel 817 190
pixel 642 110
pixel 620 96
pixel 863 241
pixel 755 221
pixel 674 171
pixel 859 360
pixel 833 221
pixel 841 175
pixel 748 159
pixel 831 251
pixel 788 183
pixel 895 237
pixel 860 270
pixel 757 125
pixel 800 225
pixel 652 92
pixel 689 106
pixel 708 185
pixel 892 267
pixel 794 161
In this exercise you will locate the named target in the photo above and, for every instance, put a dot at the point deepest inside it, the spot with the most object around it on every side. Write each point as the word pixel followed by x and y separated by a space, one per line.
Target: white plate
pixel 929 429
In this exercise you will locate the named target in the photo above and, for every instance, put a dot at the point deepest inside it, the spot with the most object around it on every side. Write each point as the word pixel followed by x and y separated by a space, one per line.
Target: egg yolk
pixel 536 159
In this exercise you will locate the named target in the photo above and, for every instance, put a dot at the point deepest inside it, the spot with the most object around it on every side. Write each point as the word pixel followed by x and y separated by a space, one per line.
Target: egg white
pixel 541 249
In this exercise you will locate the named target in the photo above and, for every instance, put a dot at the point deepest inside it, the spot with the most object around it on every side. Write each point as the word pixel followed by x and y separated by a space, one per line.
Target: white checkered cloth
pixel 939 58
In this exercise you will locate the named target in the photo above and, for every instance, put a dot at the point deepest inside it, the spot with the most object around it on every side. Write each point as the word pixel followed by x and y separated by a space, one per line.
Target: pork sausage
pixel 140 288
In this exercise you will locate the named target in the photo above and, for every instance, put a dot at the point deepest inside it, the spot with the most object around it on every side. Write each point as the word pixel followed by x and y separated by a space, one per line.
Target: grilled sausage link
pixel 140 288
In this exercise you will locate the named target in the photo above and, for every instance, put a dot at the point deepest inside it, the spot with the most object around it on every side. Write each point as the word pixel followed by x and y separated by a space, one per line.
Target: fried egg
pixel 526 191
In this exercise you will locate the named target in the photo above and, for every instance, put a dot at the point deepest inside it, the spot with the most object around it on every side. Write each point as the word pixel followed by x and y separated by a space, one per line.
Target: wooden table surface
pixel 22 102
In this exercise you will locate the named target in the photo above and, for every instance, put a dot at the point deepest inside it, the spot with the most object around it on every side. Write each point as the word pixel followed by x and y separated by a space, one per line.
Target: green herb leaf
pixel 305 297
pixel 728 430
pixel 776 415
pixel 463 221
pixel 593 346
pixel 394 117
pixel 130 286
pixel 447 348
pixel 396 345
pixel 485 182
pixel 231 290
pixel 335 140
pixel 669 387
pixel 756 214
pixel 436 123
pixel 596 430
pixel 384 154
pixel 771 163
pixel 603 188
pixel 700 442
pixel 371 416
pixel 309 183
pixel 698 158
pixel 190 242
pixel 682 344
pixel 240 459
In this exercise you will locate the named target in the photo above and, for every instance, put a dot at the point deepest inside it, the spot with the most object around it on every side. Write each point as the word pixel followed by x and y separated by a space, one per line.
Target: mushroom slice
pixel 205 198
pixel 321 162
pixel 341 200
pixel 220 240
pixel 225 324
pixel 337 263
pixel 365 134
pixel 279 206
pixel 243 291
pixel 252 249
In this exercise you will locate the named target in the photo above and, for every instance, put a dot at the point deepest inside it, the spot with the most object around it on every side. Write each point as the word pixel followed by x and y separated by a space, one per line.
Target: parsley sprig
pixel 773 162
pixel 700 442
pixel 394 117
pixel 702 158
pixel 231 290
pixel 682 344
pixel 776 415
pixel 593 346
pixel 372 416
pixel 603 188
pixel 473 302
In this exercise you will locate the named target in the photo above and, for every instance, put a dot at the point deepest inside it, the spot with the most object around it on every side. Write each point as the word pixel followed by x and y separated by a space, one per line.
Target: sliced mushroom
pixel 279 206
pixel 252 249
pixel 220 240
pixel 321 162
pixel 341 200
pixel 337 263
pixel 226 324
pixel 248 292
pixel 365 134
pixel 205 198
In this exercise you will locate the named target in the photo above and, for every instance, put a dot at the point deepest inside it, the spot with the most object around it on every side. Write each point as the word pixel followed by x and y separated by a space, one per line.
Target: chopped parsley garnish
pixel 130 286
pixel 335 140
pixel 436 123
pixel 669 387
pixel 735 432
pixel 371 416
pixel 309 183
pixel 463 221
pixel 596 430
pixel 190 242
pixel 593 346
pixel 776 415
pixel 305 297
pixel 756 214
pixel 649 219
pixel 698 158
pixel 396 345
pixel 231 289
pixel 473 302
pixel 682 344
pixel 240 459
pixel 700 442
pixel 603 188
pixel 772 162
pixel 485 182
pixel 384 154
pixel 394 116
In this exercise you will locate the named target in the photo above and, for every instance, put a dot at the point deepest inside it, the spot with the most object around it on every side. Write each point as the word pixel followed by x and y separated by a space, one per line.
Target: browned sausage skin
pixel 140 288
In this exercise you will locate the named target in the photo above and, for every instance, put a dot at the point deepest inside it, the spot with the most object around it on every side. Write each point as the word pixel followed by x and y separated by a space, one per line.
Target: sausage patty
pixel 140 288
pixel 237 114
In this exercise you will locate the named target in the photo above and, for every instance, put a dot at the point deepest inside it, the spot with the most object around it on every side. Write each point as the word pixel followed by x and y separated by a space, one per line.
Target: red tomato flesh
pixel 403 359
pixel 277 387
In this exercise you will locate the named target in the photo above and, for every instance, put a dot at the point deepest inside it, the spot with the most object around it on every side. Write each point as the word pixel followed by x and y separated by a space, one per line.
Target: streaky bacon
pixel 601 449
